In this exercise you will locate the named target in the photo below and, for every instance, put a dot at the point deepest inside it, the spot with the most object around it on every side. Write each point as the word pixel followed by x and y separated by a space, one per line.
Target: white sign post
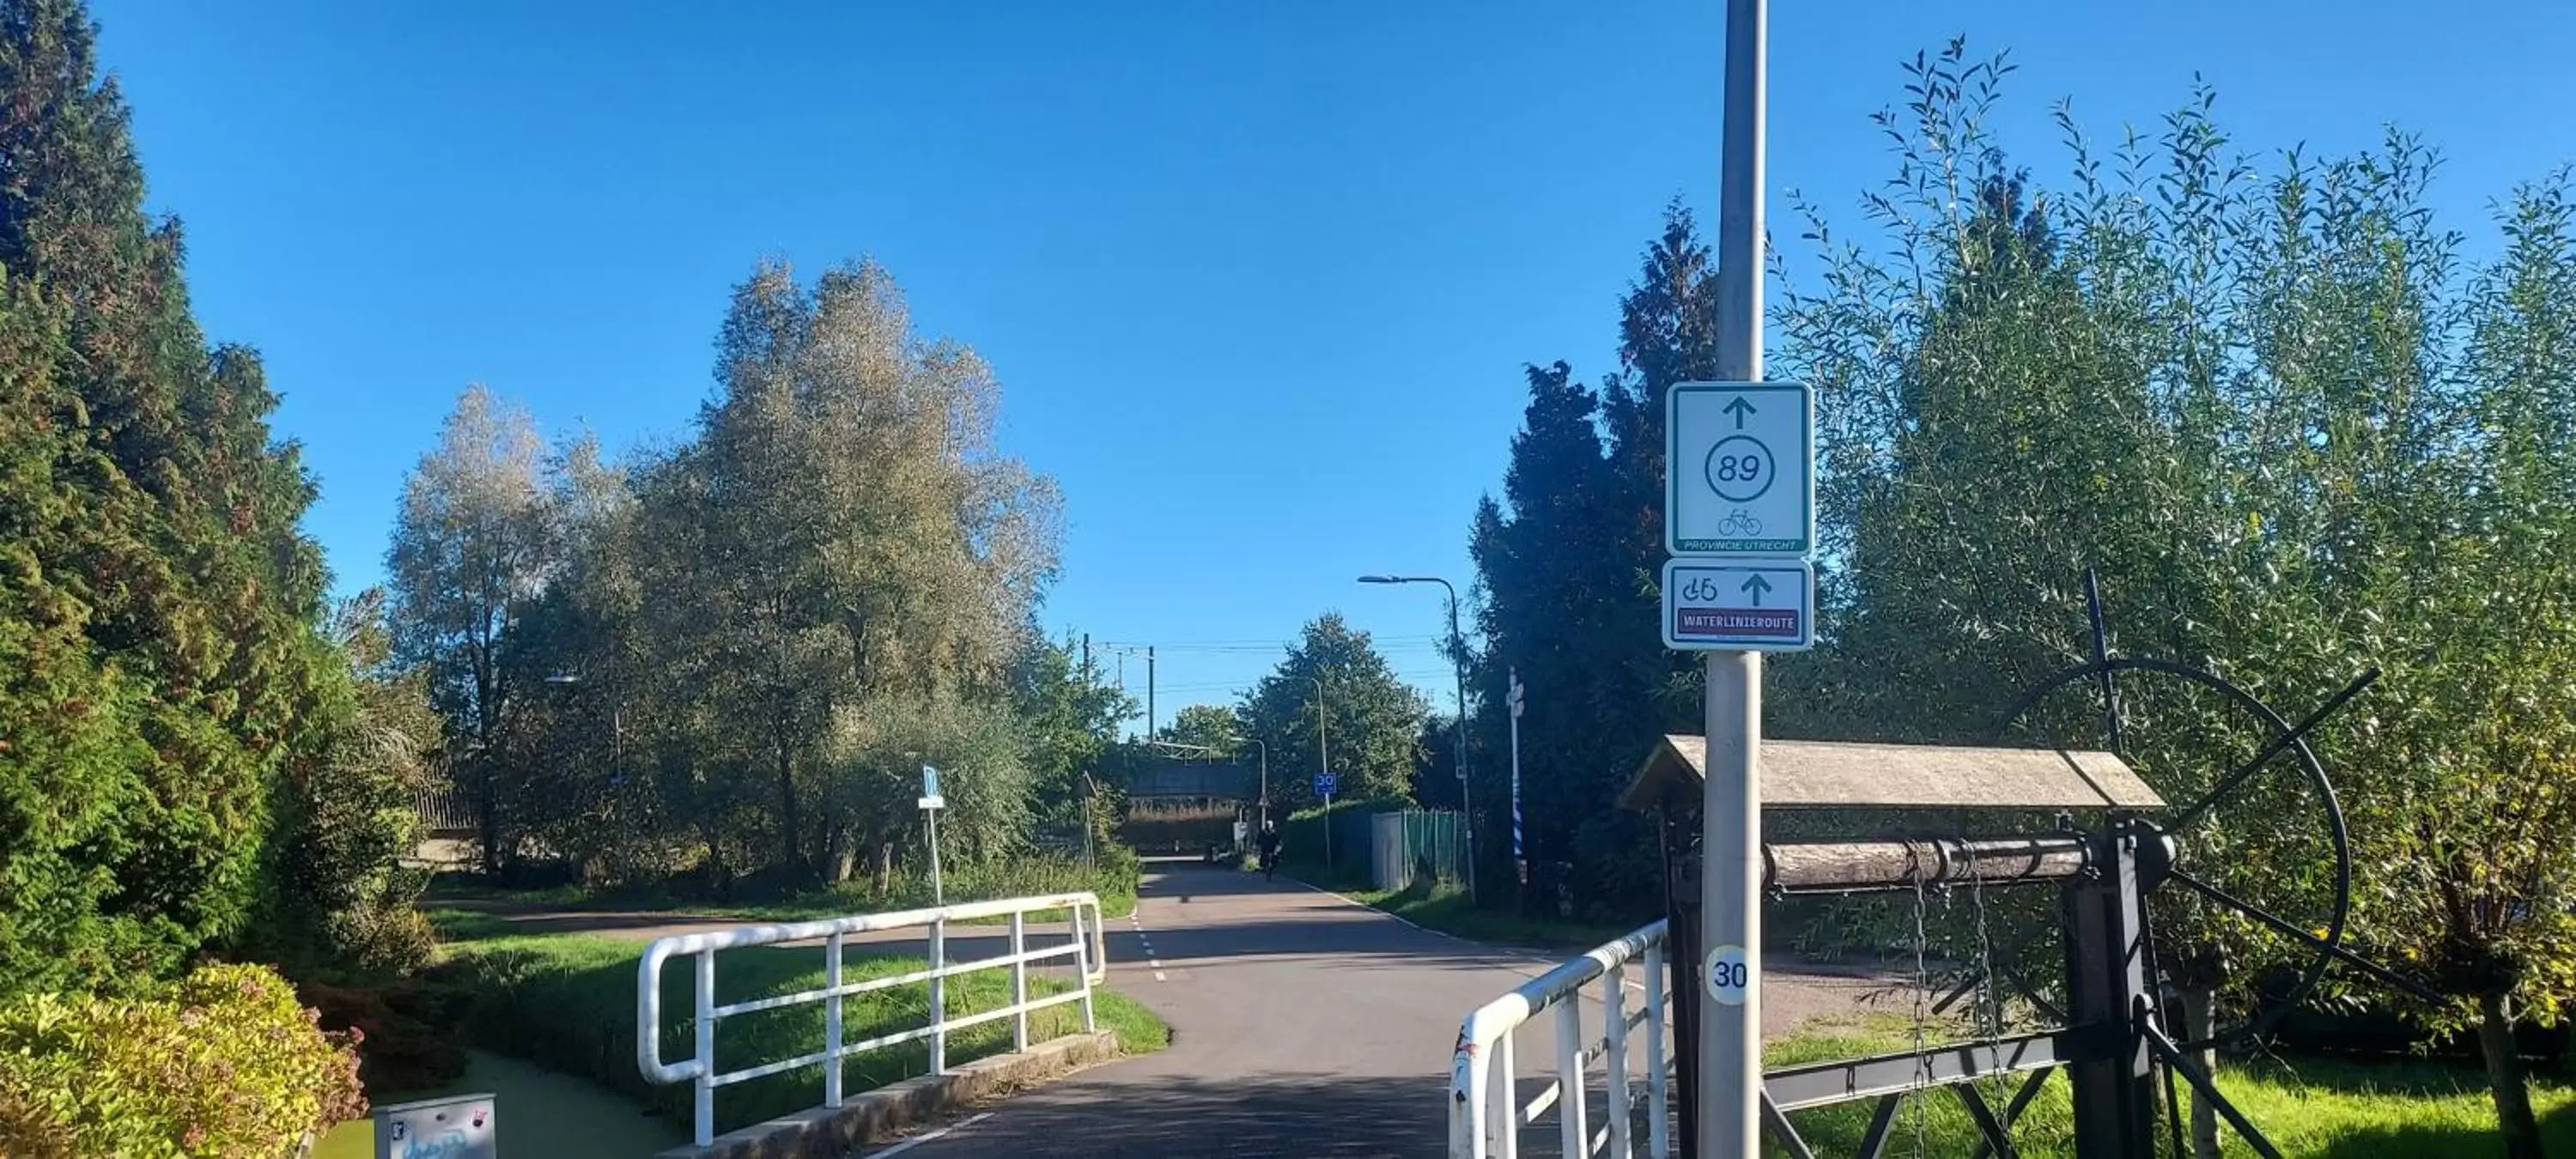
pixel 931 804
pixel 1739 477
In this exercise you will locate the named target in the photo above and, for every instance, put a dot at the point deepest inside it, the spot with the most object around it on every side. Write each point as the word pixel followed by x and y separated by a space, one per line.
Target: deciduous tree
pixel 1371 722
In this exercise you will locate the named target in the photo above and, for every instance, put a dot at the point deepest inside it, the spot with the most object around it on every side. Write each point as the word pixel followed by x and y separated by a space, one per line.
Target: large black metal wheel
pixel 2260 863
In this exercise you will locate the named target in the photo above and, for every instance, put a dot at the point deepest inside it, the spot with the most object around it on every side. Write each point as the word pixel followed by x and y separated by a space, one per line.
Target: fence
pixel 1340 838
pixel 444 810
pixel 1416 843
pixel 1086 947
pixel 1486 1112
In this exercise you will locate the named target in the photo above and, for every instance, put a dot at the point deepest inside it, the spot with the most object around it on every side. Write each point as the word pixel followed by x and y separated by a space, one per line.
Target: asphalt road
pixel 1303 1025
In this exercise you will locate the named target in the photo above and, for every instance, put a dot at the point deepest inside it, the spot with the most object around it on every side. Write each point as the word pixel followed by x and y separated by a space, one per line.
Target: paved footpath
pixel 1303 1025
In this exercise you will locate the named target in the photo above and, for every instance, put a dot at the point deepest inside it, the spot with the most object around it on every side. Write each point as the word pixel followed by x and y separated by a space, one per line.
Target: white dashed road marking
pixel 927 1136
pixel 1147 941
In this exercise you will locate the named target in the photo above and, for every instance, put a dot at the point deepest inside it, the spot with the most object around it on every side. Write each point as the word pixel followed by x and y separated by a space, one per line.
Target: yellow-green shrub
pixel 223 1062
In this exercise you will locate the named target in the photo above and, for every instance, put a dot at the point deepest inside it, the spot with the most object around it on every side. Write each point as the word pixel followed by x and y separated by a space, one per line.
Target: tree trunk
pixel 885 866
pixel 2504 1074
pixel 491 816
pixel 838 853
pixel 2199 1020
pixel 787 807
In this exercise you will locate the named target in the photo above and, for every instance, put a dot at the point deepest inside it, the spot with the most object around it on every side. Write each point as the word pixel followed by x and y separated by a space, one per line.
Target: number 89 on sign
pixel 1730 975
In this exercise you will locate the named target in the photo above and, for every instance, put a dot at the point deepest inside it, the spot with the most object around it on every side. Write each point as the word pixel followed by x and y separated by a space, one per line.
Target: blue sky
pixel 1258 278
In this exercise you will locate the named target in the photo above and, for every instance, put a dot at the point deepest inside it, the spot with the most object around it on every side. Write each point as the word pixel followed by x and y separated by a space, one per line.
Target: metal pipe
pixel 1860 866
pixel 832 1018
pixel 939 998
pixel 1574 1135
pixel 703 1009
pixel 1085 961
pixel 1020 981
pixel 1730 1025
pixel 1614 1045
pixel 1659 1143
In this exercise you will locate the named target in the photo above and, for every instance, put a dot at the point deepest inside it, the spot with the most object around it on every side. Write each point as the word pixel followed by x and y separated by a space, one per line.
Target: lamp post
pixel 1458 667
pixel 1323 764
pixel 616 729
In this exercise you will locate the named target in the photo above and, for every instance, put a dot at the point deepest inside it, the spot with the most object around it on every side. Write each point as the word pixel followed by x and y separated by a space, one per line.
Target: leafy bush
pixel 221 1063
pixel 338 906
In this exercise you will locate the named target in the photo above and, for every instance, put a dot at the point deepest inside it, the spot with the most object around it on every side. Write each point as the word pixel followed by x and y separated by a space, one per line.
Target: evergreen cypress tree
pixel 158 658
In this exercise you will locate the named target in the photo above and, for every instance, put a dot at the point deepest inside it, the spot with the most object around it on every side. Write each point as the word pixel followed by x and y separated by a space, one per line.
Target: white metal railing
pixel 1486 1113
pixel 1086 947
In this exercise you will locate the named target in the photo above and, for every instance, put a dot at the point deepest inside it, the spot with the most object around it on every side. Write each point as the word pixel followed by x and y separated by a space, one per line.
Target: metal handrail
pixel 1485 1109
pixel 1090 955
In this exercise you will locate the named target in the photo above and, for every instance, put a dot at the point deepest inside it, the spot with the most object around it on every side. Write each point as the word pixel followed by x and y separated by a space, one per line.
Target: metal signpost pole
pixel 1520 862
pixel 937 896
pixel 1730 1045
pixel 931 804
pixel 1323 762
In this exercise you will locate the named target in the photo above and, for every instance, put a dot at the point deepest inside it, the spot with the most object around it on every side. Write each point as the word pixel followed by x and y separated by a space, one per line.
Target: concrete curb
pixel 875 1116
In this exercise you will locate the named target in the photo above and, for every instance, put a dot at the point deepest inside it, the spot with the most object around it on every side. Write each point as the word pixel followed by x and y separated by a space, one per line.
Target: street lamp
pixel 616 730
pixel 1458 666
pixel 1324 764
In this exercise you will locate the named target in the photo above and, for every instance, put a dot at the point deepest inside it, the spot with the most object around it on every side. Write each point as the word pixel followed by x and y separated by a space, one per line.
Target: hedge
pixel 221 1063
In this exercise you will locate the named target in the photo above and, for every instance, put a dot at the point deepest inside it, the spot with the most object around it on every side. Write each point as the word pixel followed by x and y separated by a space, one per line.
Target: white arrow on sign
pixel 1739 469
pixel 1747 605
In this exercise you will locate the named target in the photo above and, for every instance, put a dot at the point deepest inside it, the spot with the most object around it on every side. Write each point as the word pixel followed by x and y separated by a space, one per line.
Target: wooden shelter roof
pixel 1828 774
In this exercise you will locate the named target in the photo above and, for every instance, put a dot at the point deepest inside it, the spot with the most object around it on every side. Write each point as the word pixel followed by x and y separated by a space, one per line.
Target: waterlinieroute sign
pixel 1749 605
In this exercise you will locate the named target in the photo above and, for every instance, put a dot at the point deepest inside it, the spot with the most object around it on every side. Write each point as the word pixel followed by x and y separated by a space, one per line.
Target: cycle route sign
pixel 1740 469
pixel 1741 605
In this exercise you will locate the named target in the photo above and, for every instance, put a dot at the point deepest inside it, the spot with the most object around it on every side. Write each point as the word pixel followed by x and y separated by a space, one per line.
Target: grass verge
pixel 1447 908
pixel 2309 1107
pixel 1114 881
pixel 567 1002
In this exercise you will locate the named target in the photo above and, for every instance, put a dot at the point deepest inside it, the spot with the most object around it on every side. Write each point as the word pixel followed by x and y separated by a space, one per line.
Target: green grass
pixel 567 1002
pixel 1446 908
pixel 2313 1108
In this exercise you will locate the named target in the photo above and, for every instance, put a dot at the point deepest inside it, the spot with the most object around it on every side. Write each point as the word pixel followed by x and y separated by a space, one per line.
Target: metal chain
pixel 1922 1009
pixel 1993 997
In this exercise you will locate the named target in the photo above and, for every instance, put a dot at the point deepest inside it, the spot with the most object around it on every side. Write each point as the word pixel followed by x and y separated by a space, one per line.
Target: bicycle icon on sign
pixel 1740 524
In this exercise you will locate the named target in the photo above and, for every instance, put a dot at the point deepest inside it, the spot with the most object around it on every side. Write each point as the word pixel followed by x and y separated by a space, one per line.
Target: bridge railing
pixel 1486 1112
pixel 1086 947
